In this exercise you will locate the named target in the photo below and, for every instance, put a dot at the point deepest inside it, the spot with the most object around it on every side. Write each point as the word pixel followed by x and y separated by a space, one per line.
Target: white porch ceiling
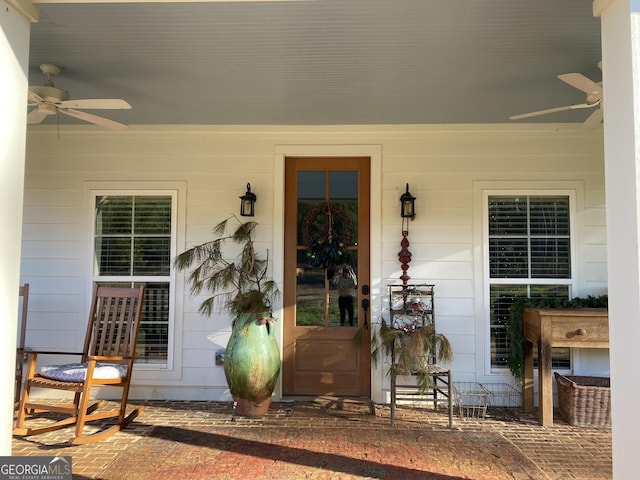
pixel 321 61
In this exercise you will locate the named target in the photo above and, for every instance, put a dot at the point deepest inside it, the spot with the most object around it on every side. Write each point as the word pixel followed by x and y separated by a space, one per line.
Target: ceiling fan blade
pixel 592 121
pixel 91 118
pixel 34 98
pixel 96 103
pixel 579 81
pixel 36 116
pixel 553 110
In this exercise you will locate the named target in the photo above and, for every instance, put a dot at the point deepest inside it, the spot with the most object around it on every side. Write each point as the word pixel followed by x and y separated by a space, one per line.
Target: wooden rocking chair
pixel 106 360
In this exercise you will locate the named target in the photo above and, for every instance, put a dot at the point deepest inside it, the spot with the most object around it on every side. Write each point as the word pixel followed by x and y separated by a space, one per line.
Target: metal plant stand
pixel 414 304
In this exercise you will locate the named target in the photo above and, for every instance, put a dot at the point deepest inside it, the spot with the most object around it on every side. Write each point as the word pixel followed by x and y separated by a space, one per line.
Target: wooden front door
pixel 326 272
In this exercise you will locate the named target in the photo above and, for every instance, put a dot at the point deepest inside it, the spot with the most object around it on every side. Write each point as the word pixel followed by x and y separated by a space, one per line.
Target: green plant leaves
pixel 240 282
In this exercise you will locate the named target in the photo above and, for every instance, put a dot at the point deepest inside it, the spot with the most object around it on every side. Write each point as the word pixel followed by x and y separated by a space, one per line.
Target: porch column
pixel 15 24
pixel 621 102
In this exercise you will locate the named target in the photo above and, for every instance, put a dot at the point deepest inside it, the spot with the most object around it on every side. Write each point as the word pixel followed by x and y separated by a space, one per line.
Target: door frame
pixel 377 283
pixel 351 371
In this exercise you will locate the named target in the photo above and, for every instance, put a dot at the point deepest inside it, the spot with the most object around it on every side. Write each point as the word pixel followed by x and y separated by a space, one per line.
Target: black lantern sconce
pixel 407 204
pixel 247 203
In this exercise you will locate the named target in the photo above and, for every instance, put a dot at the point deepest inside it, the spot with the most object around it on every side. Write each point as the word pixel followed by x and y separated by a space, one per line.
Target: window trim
pixel 177 191
pixel 482 190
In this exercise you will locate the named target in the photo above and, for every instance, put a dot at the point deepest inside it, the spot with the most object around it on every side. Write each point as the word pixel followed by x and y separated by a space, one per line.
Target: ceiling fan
pixel 593 91
pixel 50 100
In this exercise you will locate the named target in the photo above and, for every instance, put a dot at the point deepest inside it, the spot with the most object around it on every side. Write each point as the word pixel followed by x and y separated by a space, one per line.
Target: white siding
pixel 441 163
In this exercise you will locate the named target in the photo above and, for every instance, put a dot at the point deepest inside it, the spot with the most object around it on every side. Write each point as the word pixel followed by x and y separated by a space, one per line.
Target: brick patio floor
pixel 561 452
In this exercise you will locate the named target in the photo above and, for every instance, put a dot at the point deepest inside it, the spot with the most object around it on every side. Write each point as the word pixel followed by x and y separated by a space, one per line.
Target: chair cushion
pixel 77 372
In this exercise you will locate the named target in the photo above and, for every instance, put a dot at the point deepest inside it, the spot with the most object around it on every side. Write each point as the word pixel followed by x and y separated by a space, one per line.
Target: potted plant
pixel 229 268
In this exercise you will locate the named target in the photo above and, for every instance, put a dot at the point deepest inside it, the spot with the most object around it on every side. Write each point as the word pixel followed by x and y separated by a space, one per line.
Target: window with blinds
pixel 132 245
pixel 529 255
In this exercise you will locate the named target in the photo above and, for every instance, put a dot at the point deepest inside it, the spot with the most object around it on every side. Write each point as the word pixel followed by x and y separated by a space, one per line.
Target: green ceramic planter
pixel 252 364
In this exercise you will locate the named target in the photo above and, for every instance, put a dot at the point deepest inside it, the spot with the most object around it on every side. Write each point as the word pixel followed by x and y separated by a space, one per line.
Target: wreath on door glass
pixel 326 246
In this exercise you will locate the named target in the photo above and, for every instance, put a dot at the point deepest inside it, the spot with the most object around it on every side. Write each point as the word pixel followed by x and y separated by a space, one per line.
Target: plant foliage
pixel 325 254
pixel 410 351
pixel 238 279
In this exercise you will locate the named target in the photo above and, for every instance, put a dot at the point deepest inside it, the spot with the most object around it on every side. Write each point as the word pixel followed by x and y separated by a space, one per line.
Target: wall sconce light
pixel 407 204
pixel 247 203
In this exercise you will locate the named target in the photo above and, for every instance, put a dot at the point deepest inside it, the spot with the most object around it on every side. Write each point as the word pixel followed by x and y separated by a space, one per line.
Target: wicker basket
pixel 585 401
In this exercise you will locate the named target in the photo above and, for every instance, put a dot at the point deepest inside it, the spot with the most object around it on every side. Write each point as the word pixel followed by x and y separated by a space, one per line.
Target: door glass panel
pixel 312 185
pixel 310 293
pixel 327 250
pixel 343 293
pixel 312 193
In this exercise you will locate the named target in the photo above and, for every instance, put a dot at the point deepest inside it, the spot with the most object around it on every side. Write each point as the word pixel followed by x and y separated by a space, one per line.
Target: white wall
pixel 14 55
pixel 443 164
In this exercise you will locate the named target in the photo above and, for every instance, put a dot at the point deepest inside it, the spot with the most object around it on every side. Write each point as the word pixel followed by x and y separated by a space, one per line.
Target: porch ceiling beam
pixel 599 6
pixel 26 8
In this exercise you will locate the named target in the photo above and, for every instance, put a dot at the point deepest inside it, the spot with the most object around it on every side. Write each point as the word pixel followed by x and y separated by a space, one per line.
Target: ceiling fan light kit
pixel 51 100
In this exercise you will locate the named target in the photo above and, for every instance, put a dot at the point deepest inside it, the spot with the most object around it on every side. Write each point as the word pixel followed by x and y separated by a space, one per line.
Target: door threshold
pixel 337 402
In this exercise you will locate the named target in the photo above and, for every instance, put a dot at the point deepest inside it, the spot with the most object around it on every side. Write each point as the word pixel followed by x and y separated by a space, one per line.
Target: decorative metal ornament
pixel 404 256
